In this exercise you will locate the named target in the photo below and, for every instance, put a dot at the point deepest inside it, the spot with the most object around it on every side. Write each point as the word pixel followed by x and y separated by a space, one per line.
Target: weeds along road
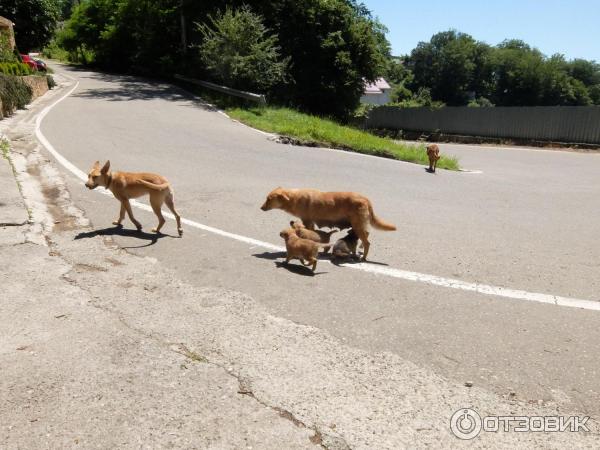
pixel 528 222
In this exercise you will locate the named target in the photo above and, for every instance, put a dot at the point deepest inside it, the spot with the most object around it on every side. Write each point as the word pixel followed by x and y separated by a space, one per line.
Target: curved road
pixel 528 222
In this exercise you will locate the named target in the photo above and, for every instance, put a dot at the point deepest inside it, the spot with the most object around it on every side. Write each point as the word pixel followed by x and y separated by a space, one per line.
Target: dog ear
pixel 284 196
pixel 105 168
pixel 96 165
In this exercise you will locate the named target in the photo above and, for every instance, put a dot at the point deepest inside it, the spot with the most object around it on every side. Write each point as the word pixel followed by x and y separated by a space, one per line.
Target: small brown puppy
pixel 319 236
pixel 346 246
pixel 331 209
pixel 433 153
pixel 127 185
pixel 298 248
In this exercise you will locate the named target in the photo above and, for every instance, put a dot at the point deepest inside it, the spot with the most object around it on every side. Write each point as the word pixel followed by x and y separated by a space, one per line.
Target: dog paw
pixel 180 231
pixel 117 223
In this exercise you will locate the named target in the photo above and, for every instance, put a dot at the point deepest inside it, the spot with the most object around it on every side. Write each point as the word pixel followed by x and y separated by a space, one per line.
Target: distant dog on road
pixel 128 185
pixel 433 153
pixel 331 209
pixel 319 236
pixel 345 247
pixel 298 248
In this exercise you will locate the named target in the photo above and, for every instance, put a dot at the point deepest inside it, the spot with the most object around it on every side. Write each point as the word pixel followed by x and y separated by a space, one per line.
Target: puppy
pixel 331 209
pixel 346 246
pixel 298 248
pixel 128 185
pixel 433 153
pixel 319 236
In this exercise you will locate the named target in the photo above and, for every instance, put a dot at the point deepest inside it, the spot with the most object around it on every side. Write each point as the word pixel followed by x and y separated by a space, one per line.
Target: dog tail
pixel 379 224
pixel 156 187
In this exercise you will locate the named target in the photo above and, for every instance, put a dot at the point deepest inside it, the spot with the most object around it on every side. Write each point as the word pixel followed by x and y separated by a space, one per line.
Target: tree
pixel 35 21
pixel 453 65
pixel 588 72
pixel 241 52
pixel 333 46
pixel 523 76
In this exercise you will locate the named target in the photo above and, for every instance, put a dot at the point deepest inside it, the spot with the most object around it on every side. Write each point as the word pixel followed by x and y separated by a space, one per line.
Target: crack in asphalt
pixel 244 385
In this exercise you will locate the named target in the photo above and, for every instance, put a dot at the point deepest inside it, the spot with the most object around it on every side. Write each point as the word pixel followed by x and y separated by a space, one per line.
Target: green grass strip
pixel 313 130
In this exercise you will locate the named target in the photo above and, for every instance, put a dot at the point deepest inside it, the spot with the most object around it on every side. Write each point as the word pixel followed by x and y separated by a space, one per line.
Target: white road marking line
pixel 450 283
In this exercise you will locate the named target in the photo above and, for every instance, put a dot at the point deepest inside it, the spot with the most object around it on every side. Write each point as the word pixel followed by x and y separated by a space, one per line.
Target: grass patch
pixel 4 147
pixel 190 354
pixel 327 133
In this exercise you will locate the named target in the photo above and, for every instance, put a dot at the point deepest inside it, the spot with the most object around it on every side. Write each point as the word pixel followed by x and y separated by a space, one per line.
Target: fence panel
pixel 570 124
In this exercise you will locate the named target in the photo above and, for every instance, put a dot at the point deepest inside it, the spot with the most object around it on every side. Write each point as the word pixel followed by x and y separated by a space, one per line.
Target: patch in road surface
pixel 496 291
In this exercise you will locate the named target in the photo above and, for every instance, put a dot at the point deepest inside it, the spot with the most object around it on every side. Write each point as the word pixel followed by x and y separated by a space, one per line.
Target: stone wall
pixel 39 85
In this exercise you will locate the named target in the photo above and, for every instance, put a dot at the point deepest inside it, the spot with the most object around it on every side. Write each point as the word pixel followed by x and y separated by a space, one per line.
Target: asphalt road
pixel 529 221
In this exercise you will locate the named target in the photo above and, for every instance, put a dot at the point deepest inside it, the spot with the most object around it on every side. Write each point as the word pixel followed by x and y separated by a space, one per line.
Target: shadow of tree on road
pixel 129 88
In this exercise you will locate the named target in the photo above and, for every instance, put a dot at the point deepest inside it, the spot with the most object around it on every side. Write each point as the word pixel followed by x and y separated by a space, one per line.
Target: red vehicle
pixel 29 61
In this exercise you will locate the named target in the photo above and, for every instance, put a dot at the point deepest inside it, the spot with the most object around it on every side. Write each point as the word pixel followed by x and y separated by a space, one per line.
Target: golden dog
pixel 127 185
pixel 319 236
pixel 298 248
pixel 331 209
pixel 433 153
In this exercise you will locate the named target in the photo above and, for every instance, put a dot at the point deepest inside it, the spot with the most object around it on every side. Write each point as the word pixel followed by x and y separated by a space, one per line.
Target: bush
pixel 6 52
pixel 54 51
pixel 480 102
pixel 401 93
pixel 14 68
pixel 14 93
pixel 419 100
pixel 240 51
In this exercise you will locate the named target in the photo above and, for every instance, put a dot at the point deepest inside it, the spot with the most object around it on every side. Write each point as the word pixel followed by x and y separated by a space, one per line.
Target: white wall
pixel 376 99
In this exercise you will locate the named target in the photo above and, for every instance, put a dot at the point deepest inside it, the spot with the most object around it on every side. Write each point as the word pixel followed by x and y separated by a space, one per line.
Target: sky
pixel 570 27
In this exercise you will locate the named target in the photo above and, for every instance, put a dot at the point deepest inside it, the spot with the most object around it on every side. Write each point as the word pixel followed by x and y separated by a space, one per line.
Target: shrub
pixel 54 51
pixel 240 51
pixel 421 99
pixel 14 68
pixel 6 53
pixel 480 102
pixel 401 93
pixel 14 93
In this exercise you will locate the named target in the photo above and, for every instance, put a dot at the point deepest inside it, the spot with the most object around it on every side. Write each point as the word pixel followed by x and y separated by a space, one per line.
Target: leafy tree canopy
pixel 35 21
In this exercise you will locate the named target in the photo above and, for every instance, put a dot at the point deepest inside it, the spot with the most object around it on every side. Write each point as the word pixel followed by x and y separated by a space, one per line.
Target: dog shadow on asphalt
pixel 293 267
pixel 349 261
pixel 152 238
pixel 298 269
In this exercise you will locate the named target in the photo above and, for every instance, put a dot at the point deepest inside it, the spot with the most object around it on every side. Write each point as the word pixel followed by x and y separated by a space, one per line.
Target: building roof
pixel 377 87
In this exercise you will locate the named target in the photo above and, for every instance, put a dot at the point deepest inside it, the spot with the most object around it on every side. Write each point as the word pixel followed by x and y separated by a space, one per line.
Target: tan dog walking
pixel 319 236
pixel 298 248
pixel 128 185
pixel 330 209
pixel 433 153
